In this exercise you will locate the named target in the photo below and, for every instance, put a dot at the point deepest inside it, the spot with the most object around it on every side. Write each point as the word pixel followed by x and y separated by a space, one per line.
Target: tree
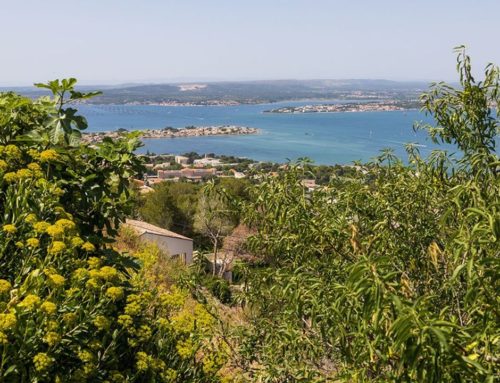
pixel 172 205
pixel 390 275
pixel 214 219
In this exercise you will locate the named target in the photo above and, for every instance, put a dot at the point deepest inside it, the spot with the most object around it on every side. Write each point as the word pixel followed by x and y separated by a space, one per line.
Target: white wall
pixel 174 246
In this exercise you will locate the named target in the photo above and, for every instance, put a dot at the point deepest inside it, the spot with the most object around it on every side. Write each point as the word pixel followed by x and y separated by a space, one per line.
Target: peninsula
pixel 348 107
pixel 169 132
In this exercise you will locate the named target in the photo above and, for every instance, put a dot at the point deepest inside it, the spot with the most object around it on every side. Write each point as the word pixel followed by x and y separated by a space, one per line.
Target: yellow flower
pixel 133 306
pixel 52 325
pixel 52 338
pixel 7 321
pixel 65 224
pixel 55 230
pixel 5 286
pixel 144 333
pixel 34 167
pixel 12 151
pixel 87 246
pixel 94 262
pixel 30 301
pixel 92 284
pixel 24 173
pixel 163 323
pixel 185 349
pixel 41 227
pixel 80 274
pixel 174 299
pixel 31 218
pixel 95 274
pixel 34 154
pixel 33 242
pixel 125 320
pixel 101 322
pixel 9 229
pixel 57 247
pixel 48 307
pixel 3 338
pixel 85 356
pixel 76 241
pixel 10 177
pixel 108 273
pixel 42 361
pixel 115 293
pixel 3 165
pixel 142 361
pixel 116 377
pixel 72 291
pixel 56 280
pixel 19 245
pixel 58 191
pixel 170 375
pixel 95 345
pixel 42 183
pixel 49 155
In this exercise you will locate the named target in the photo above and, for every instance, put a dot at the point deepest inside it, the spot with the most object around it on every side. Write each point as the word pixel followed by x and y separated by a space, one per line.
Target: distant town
pixel 348 107
pixel 195 167
pixel 169 132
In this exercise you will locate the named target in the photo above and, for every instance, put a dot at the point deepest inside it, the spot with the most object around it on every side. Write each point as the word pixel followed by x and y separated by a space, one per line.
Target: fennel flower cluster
pixel 9 229
pixel 49 155
pixel 5 286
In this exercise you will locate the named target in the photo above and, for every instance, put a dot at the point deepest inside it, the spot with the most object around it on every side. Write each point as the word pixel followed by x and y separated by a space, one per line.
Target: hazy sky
pixel 116 41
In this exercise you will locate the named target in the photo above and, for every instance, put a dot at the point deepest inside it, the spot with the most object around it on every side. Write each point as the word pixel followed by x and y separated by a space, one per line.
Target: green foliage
pixel 218 287
pixel 172 205
pixel 71 307
pixel 389 275
pixel 215 219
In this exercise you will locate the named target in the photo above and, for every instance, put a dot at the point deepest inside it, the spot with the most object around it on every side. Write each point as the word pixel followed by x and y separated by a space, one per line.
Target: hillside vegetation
pixel 72 308
pixel 392 274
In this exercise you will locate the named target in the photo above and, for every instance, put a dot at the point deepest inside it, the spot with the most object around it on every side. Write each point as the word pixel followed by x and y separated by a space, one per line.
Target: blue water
pixel 326 138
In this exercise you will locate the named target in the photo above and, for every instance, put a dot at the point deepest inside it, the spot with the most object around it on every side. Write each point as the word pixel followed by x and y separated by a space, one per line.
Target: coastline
pixel 186 132
pixel 344 111
pixel 393 106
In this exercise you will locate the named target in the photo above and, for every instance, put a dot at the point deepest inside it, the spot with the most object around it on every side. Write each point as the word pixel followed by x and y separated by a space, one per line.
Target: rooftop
pixel 142 227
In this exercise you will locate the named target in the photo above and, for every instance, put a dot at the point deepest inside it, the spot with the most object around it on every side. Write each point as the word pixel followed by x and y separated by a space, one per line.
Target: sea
pixel 324 138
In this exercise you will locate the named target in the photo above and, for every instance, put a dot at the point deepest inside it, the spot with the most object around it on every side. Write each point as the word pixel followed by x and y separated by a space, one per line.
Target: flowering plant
pixel 68 308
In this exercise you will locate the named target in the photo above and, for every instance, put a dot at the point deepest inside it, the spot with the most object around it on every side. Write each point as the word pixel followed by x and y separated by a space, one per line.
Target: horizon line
pixel 214 81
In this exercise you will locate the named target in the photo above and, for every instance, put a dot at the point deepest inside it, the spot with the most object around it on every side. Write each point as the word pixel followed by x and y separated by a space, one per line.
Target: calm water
pixel 327 138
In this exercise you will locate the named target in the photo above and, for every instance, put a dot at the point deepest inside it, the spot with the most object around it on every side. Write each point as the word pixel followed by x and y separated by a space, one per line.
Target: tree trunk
pixel 214 268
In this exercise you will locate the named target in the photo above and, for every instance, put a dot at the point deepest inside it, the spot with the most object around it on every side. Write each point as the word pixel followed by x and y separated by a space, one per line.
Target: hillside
pixel 249 91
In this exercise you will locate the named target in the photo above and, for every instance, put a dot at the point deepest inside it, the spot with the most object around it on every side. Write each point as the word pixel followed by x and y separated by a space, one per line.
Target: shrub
pixel 69 309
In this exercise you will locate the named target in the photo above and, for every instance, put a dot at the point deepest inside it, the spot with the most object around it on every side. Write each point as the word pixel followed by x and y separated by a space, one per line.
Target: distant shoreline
pixel 187 132
pixel 393 106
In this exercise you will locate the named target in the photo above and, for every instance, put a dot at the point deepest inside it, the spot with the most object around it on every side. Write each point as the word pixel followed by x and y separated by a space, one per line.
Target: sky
pixel 128 41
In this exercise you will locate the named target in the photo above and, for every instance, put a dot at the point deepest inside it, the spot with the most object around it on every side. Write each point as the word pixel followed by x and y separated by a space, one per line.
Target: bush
pixel 69 309
pixel 390 275
pixel 218 287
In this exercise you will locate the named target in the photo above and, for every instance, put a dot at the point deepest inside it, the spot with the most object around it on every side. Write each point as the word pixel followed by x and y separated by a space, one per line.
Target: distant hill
pixel 247 91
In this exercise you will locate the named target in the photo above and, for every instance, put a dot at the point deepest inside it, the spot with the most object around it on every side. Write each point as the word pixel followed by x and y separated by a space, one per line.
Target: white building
pixel 181 160
pixel 174 244
pixel 207 161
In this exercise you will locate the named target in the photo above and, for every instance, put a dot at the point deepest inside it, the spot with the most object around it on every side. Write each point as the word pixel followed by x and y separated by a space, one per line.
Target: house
pixel 162 165
pixel 181 160
pixel 174 244
pixel 237 174
pixel 310 185
pixel 192 174
pixel 207 161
